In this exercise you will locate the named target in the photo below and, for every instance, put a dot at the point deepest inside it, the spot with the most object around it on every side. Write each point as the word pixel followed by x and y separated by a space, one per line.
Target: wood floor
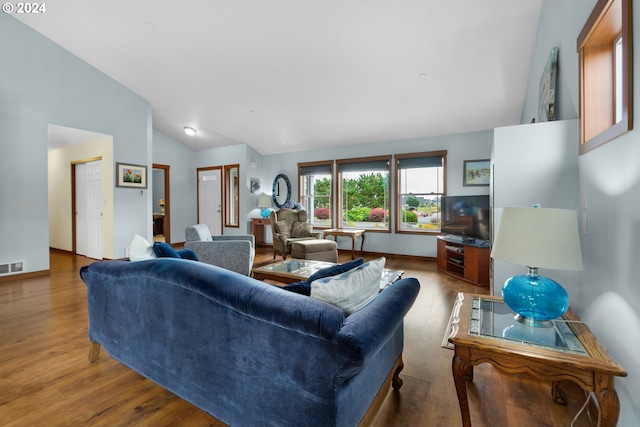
pixel 46 380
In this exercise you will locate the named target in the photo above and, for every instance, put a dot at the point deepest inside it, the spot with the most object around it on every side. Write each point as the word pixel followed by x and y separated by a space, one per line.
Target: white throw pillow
pixel 140 249
pixel 352 290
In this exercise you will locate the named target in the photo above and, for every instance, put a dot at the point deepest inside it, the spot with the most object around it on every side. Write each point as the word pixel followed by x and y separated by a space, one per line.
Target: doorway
pixel 161 185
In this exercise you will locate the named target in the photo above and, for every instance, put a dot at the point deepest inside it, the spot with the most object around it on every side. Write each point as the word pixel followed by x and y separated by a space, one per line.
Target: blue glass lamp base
pixel 535 299
pixel 265 213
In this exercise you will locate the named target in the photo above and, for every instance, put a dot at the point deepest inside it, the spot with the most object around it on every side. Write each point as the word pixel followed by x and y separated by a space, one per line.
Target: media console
pixel 465 260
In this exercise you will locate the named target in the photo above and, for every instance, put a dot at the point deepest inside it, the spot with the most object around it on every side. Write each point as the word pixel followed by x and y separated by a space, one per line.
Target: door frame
pixel 167 199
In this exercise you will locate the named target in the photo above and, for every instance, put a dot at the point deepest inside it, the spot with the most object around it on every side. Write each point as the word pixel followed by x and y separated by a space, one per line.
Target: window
pixel 419 185
pixel 364 193
pixel 606 69
pixel 316 193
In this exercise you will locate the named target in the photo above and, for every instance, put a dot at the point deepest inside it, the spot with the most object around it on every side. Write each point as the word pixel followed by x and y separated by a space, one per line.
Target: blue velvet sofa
pixel 248 353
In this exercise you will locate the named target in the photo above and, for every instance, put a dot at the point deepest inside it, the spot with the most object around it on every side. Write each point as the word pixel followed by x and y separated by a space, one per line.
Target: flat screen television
pixel 465 216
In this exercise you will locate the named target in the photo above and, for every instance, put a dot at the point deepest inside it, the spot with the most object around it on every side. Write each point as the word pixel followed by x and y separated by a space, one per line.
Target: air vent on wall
pixel 12 268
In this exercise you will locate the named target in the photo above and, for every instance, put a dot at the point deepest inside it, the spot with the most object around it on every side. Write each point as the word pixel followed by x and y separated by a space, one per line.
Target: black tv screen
pixel 465 216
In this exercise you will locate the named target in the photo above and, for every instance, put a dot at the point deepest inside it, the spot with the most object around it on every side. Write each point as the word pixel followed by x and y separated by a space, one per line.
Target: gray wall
pixel 181 160
pixel 42 84
pixel 608 297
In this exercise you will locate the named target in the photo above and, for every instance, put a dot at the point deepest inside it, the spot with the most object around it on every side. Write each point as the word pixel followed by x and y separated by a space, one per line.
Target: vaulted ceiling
pixel 291 75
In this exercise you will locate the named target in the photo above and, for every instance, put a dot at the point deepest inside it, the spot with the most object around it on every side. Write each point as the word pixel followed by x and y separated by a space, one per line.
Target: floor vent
pixel 12 268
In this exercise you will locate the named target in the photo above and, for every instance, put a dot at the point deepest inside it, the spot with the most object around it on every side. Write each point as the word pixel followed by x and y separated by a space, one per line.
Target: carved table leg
pixel 609 407
pixel 559 396
pixel 462 373
pixel 396 381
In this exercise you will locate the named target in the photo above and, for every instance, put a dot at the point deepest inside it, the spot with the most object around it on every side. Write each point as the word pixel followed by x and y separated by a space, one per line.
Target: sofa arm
pixel 367 330
pixel 234 255
pixel 248 237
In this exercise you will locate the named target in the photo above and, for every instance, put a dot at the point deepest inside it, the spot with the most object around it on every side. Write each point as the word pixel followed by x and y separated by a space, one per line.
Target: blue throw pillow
pixel 188 254
pixel 301 287
pixel 335 269
pixel 163 249
pixel 304 287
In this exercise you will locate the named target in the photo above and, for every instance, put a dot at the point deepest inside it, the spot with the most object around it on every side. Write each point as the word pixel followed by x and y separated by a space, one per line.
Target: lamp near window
pixel 538 238
pixel 264 203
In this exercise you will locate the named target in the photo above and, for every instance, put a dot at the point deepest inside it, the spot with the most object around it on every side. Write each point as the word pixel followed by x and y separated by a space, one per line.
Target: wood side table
pixel 349 232
pixel 482 329
pixel 257 229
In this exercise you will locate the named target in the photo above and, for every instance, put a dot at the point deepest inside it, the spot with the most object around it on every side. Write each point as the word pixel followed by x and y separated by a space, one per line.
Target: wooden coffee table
pixel 482 329
pixel 349 232
pixel 294 270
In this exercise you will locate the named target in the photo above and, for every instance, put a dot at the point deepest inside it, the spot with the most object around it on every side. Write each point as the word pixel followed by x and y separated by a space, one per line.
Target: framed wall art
pixel 131 176
pixel 476 172
pixel 255 185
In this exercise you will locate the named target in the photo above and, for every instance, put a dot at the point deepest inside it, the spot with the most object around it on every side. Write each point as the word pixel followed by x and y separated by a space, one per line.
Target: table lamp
pixel 264 203
pixel 537 238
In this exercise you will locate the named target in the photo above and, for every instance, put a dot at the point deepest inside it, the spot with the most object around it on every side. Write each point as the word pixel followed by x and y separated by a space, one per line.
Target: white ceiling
pixel 290 75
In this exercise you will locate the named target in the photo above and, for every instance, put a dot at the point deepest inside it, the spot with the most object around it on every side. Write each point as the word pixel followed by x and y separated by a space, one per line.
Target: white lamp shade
pixel 539 237
pixel 264 201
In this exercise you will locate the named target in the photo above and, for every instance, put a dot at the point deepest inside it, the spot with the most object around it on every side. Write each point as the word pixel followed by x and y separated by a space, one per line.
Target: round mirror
pixel 281 191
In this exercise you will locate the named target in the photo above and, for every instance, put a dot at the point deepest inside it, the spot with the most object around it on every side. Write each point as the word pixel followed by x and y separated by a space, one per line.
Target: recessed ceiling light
pixel 151 26
pixel 422 75
pixel 190 131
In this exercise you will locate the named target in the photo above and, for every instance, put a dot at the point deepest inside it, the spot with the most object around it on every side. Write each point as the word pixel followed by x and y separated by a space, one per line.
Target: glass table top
pixel 491 318
pixel 298 267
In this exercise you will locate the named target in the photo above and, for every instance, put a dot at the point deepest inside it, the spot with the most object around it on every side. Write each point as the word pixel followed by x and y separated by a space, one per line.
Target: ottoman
pixel 315 249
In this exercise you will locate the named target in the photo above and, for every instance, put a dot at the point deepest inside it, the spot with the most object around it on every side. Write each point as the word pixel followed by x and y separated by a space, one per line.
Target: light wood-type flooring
pixel 46 380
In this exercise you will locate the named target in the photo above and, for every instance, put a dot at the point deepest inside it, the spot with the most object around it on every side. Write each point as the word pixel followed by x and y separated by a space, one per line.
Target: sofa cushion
pixel 283 227
pixel 301 229
pixel 352 290
pixel 140 249
pixel 304 286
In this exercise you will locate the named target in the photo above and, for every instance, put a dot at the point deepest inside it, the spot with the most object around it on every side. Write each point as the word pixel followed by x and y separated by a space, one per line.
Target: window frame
pixel 340 221
pixel 609 20
pixel 398 189
pixel 303 196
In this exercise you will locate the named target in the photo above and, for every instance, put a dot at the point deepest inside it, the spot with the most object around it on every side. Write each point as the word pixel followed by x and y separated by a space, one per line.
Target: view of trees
pixel 364 197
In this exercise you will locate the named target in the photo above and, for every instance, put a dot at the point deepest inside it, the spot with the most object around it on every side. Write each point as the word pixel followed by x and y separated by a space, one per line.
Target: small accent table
pixel 482 329
pixel 257 229
pixel 349 232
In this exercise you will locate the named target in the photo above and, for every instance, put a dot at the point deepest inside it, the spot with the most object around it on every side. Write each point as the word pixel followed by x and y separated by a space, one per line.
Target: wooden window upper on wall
pixel 606 74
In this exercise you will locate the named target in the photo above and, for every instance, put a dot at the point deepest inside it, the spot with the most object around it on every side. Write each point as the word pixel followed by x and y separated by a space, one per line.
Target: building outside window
pixel 316 186
pixel 420 184
pixel 364 193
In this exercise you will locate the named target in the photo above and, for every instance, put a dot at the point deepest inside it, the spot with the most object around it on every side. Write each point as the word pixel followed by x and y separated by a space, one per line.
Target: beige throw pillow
pixel 284 228
pixel 352 290
pixel 302 229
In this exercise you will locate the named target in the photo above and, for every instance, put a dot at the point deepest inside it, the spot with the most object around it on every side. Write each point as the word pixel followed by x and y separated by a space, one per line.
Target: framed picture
pixel 255 185
pixel 131 176
pixel 547 101
pixel 476 172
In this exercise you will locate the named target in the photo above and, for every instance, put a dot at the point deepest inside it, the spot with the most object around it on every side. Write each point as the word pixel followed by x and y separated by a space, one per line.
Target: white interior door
pixel 89 209
pixel 210 199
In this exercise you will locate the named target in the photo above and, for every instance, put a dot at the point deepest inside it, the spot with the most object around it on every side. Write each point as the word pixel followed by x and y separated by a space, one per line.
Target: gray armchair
pixel 235 253
pixel 289 226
